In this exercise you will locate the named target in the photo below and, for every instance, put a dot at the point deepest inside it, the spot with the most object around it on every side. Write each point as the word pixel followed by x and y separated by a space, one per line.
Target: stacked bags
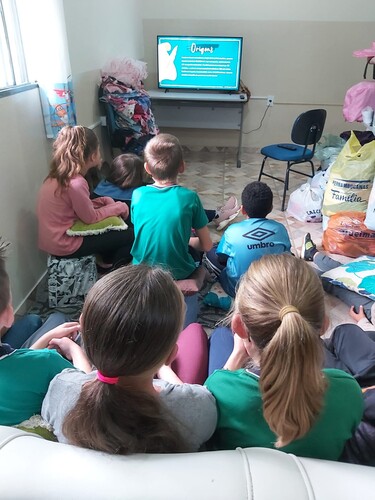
pixel 349 201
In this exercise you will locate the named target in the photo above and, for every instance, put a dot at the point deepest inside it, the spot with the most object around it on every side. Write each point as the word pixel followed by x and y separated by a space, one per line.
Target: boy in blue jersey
pixel 164 215
pixel 246 241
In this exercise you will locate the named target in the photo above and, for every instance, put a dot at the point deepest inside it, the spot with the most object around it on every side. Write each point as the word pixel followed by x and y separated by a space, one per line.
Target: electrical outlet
pixel 270 99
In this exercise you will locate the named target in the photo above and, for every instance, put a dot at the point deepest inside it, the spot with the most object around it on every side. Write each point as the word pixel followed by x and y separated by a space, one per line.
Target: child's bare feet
pixel 357 316
pixel 195 281
pixel 187 287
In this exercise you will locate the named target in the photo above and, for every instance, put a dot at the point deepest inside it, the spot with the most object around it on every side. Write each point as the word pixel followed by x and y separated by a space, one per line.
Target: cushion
pixel 113 223
pixel 357 275
pixel 69 280
pixel 37 425
pixel 217 297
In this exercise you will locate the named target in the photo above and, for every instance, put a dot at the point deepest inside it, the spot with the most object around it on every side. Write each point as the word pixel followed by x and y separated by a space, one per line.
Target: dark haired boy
pixel 246 241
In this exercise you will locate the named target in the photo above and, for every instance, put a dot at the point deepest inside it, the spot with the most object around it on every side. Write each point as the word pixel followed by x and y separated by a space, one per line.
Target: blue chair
pixel 306 131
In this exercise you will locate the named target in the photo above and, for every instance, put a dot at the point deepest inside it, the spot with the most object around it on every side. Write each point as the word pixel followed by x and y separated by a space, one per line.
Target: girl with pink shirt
pixel 64 198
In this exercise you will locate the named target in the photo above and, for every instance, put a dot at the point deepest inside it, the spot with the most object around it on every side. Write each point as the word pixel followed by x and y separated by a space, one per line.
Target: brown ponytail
pixel 291 357
pixel 130 321
pixel 71 150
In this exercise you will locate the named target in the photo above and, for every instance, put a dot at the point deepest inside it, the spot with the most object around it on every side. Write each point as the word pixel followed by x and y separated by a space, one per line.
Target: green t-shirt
pixel 241 422
pixel 25 375
pixel 163 219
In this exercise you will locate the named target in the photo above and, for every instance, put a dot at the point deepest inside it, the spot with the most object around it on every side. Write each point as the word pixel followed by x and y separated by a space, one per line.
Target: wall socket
pixel 270 99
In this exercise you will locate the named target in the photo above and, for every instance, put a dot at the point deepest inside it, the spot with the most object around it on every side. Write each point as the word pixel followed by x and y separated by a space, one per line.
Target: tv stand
pixel 199 109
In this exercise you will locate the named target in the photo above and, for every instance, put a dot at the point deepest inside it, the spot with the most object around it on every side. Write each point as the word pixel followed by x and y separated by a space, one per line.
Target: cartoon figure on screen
pixel 167 68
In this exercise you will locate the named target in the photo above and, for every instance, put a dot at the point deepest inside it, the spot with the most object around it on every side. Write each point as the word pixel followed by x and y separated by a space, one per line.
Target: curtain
pixel 45 43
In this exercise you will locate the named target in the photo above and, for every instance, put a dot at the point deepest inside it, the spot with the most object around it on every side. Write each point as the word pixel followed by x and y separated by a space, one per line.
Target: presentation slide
pixel 199 62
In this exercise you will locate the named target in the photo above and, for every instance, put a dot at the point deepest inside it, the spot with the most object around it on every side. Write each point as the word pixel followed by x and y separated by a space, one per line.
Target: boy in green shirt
pixel 164 215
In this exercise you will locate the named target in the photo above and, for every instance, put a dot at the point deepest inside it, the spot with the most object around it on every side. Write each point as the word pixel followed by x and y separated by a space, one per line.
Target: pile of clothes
pixel 128 105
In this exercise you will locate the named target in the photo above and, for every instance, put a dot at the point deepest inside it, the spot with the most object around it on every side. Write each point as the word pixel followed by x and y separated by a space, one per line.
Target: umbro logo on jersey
pixel 259 234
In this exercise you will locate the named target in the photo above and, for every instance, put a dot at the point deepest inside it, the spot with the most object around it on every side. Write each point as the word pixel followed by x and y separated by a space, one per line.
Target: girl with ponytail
pixel 284 399
pixel 130 324
pixel 64 198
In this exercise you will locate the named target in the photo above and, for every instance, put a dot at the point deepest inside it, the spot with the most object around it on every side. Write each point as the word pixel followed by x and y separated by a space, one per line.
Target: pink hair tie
pixel 106 380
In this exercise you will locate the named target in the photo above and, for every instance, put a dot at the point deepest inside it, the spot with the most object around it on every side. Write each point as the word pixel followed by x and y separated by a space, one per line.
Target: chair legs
pixel 262 167
pixel 289 166
pixel 312 168
pixel 286 184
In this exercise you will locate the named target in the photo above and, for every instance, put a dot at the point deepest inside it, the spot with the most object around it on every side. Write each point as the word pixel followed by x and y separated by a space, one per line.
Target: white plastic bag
pixel 305 203
pixel 320 180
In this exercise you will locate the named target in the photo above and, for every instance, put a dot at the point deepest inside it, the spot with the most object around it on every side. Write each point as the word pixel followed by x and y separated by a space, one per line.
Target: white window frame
pixel 13 70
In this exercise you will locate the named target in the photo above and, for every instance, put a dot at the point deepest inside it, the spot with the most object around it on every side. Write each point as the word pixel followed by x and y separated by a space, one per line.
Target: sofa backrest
pixel 33 468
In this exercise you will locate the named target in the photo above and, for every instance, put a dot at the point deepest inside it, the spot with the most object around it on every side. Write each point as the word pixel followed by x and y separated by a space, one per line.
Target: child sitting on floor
pixel 164 215
pixel 125 174
pixel 64 198
pixel 131 322
pixel 284 398
pixel 246 241
pixel 26 373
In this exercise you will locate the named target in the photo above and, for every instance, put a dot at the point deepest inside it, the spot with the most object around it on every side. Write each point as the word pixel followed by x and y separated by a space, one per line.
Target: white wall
pixel 24 153
pixel 98 31
pixel 298 51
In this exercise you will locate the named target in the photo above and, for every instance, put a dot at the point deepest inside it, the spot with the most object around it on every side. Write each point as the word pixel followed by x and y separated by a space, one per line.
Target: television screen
pixel 198 62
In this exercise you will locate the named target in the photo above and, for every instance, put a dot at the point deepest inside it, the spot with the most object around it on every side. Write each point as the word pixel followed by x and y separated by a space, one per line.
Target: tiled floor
pixel 213 174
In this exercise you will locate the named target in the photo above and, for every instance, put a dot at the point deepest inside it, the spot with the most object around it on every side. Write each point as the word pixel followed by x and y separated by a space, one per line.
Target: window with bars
pixel 12 61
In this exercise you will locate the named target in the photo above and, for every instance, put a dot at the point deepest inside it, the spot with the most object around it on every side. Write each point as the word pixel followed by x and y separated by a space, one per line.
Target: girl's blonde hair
pixel 131 320
pixel 281 303
pixel 71 150
pixel 163 155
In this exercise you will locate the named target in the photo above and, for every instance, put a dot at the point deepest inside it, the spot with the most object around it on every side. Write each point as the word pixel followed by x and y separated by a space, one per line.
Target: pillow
pixel 357 276
pixel 36 425
pixel 217 297
pixel 113 223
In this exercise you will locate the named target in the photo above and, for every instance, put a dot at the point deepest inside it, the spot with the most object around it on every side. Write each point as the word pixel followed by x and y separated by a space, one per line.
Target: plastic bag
pixel 305 203
pixel 347 234
pixel 330 145
pixel 356 99
pixel 351 178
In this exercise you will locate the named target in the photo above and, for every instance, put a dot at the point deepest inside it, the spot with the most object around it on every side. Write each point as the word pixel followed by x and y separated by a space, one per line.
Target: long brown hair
pixel 127 171
pixel 130 321
pixel 71 150
pixel 281 303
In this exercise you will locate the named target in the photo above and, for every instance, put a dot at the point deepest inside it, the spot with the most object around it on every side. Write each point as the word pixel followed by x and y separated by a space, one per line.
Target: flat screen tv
pixel 199 62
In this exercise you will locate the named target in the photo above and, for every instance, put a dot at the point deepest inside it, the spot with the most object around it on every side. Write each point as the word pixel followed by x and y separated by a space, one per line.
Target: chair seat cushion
pixel 283 153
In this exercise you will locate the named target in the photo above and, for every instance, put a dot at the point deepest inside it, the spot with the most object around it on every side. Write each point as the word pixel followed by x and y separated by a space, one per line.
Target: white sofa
pixel 32 468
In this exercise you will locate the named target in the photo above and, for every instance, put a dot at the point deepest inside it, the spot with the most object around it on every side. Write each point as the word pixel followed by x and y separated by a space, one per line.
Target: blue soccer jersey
pixel 247 241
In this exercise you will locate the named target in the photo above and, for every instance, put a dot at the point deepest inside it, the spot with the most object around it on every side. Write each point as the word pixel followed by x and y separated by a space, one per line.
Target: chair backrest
pixel 308 127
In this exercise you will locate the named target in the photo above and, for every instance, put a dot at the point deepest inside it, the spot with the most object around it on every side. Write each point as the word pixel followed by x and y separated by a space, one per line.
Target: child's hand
pixel 239 346
pixel 123 209
pixel 166 373
pixel 70 329
pixel 357 316
pixel 64 346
